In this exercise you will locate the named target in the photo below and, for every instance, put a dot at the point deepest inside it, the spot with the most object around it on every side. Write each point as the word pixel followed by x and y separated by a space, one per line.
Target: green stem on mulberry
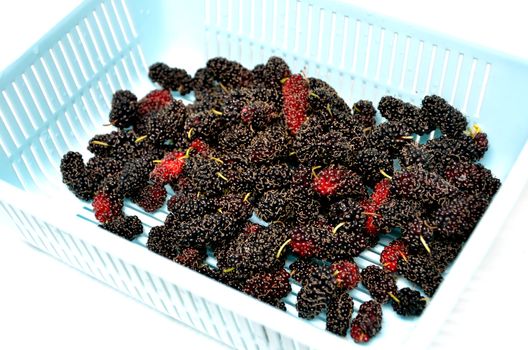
pixel 385 174
pixel 393 297
pixel 222 86
pixel 141 138
pixel 337 227
pixel 216 112
pixel 246 197
pixel 220 175
pixel 329 110
pixel 314 168
pixel 218 160
pixel 99 143
pixel 282 247
pixel 424 243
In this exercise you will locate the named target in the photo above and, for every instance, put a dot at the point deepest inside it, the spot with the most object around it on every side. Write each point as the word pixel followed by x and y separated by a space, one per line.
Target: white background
pixel 44 304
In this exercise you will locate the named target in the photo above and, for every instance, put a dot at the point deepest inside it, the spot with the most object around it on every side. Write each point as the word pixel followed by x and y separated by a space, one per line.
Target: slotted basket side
pixel 210 308
pixel 153 291
pixel 366 56
pixel 58 93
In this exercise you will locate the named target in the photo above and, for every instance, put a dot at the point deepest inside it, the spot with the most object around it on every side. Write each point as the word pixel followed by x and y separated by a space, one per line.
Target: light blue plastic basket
pixel 57 95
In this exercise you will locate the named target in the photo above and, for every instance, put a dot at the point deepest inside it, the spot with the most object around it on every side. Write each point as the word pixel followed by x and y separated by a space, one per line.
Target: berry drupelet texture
pixel 161 241
pixel 408 302
pixel 124 110
pixel 339 314
pixel 175 79
pixel 316 293
pixel 76 177
pixel 295 93
pixel 346 273
pixel 329 180
pixel 128 227
pixel 269 287
pixel 191 258
pixel 379 283
pixel 367 322
pixel 421 270
pixel 392 254
pixel 302 269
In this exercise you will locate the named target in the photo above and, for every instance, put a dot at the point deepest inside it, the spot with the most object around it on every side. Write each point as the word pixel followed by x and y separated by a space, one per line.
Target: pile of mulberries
pixel 266 144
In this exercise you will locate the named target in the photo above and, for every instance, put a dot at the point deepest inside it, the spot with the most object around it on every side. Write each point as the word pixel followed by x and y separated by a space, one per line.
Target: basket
pixel 58 93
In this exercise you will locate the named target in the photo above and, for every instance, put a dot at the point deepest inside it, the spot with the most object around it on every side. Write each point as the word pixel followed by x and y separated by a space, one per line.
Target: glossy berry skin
pixel 346 273
pixel 380 196
pixel 169 169
pixel 339 314
pixel 250 229
pixel 336 181
pixel 105 209
pixel 200 147
pixel 369 209
pixel 269 287
pixel 302 245
pixel 295 93
pixel 391 255
pixel 315 294
pixel 124 109
pixel 367 323
pixel 154 101
pixel 408 302
pixel 151 197
pixel 327 183
pixel 379 283
pixel 128 227
pixel 308 240
pixel 302 269
pixel 381 192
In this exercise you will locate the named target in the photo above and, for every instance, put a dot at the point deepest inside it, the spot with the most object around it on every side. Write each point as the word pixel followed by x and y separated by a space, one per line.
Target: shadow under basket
pixel 54 97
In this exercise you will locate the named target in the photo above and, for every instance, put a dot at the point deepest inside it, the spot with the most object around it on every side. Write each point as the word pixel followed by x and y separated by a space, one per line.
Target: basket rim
pixel 440 306
pixel 426 326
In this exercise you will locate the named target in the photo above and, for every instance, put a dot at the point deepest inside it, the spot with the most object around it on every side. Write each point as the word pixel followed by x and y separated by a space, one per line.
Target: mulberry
pixel 339 314
pixel 421 270
pixel 128 227
pixel 408 302
pixel 76 176
pixel 367 322
pixel 174 79
pixel 316 293
pixel 124 110
pixel 379 283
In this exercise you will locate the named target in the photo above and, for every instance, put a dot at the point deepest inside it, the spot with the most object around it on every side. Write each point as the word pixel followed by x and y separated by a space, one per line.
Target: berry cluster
pixel 326 178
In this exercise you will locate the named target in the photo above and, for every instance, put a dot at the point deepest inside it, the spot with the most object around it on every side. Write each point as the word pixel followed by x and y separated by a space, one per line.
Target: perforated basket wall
pixel 58 93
